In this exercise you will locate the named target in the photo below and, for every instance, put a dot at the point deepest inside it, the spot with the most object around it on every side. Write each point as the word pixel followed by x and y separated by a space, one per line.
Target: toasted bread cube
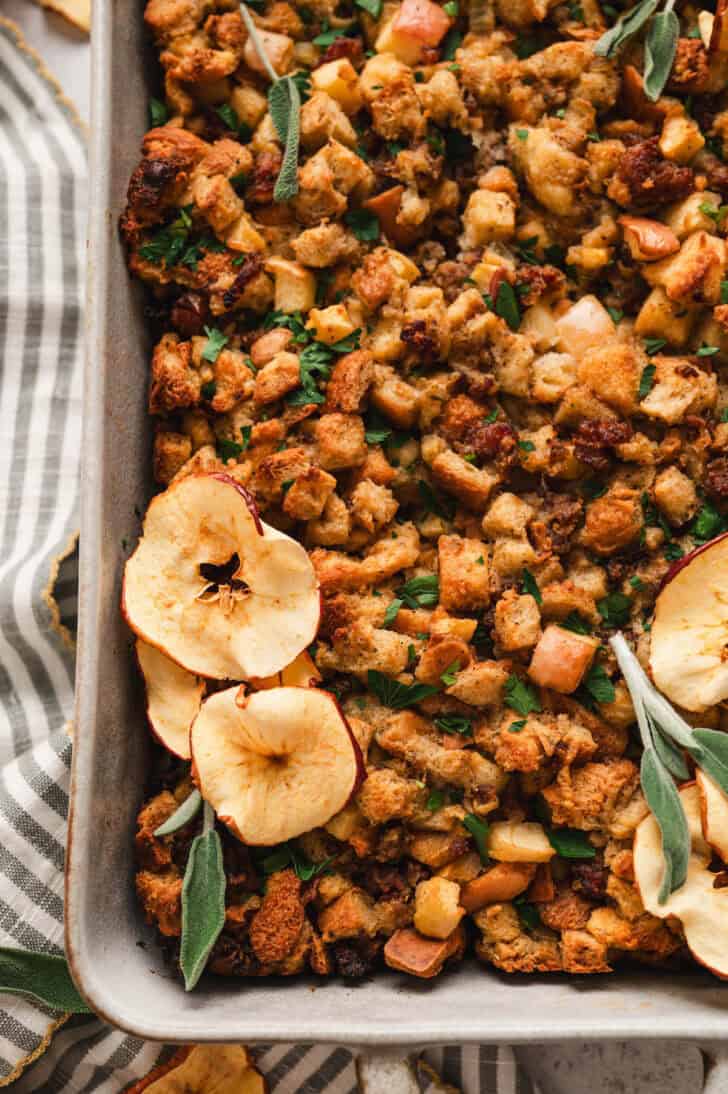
pixel 488 216
pixel 341 442
pixel 339 80
pixel 480 684
pixel 409 951
pixel 397 400
pixel 676 496
pixel 517 621
pixel 687 217
pixel 507 516
pixel 660 317
pixel 437 907
pixel 464 578
pixel 295 286
pixel 249 105
pixel 243 236
pixel 561 659
pixel 519 841
pixel 281 375
pixel 278 47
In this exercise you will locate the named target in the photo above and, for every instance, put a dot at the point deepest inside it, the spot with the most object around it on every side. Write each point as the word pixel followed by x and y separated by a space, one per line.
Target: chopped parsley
pixel 449 676
pixel 530 586
pixel 395 695
pixel 527 446
pixel 707 524
pixel 451 42
pixel 520 697
pixel 528 913
pixel 615 315
pixel 228 450
pixel 364 224
pixel 517 726
pixel 593 489
pixel 506 305
pixel 455 723
pixel 158 113
pixel 614 609
pixel 433 502
pixel 522 134
pixel 598 684
pixel 391 613
pixel 654 345
pixel 216 341
pixel 724 292
pixel 570 843
pixel 647 379
pixel 289 855
pixel 479 831
pixel 328 35
pixel 672 552
pixel 420 592
pixel 575 623
pixel 435 801
pixel 707 351
pixel 373 7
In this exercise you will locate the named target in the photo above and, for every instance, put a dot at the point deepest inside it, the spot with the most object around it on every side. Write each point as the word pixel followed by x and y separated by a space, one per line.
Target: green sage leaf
pixel 287 182
pixel 669 754
pixel 660 47
pixel 712 754
pixel 181 816
pixel 203 901
pixel 279 104
pixel 43 976
pixel 664 801
pixel 627 25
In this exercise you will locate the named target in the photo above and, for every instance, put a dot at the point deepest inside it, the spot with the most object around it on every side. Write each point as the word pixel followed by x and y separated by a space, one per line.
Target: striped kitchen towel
pixel 42 227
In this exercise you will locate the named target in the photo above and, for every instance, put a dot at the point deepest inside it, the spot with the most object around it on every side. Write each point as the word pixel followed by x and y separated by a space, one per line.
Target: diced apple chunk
pixel 437 907
pixel 561 659
pixel 519 841
pixel 339 80
pixel 501 882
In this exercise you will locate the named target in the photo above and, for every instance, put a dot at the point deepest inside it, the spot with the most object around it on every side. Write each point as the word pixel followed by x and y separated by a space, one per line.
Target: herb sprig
pixel 660 42
pixel 203 900
pixel 665 736
pixel 284 102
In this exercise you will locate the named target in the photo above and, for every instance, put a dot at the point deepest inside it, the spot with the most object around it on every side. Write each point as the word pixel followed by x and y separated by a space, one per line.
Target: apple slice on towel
pixel 217 590
pixel 276 763
pixel 689 637
pixel 701 908
pixel 173 698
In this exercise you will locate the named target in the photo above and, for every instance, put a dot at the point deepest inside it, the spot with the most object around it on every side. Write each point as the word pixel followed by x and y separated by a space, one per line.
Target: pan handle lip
pixel 715 1057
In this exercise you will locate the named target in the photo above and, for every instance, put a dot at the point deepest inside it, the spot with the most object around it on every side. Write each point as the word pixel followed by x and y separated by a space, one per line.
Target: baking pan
pixel 115 960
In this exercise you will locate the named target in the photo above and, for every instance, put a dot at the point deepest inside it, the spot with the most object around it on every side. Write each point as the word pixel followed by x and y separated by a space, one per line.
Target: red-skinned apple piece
pixel 689 635
pixel 701 908
pixel 274 764
pixel 214 588
pixel 174 696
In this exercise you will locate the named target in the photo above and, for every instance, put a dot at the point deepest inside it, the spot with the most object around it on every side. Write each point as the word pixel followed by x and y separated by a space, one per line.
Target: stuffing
pixel 474 364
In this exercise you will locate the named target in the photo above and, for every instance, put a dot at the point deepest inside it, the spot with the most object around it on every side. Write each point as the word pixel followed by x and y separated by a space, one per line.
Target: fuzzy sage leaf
pixel 181 816
pixel 285 108
pixel 664 801
pixel 660 47
pixel 627 25
pixel 284 102
pixel 42 976
pixel 203 900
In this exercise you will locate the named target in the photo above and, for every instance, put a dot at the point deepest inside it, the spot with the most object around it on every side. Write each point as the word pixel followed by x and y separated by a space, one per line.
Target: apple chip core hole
pixel 217 575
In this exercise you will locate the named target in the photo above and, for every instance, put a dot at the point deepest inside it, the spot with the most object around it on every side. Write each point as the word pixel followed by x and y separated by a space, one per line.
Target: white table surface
pixel 665 1068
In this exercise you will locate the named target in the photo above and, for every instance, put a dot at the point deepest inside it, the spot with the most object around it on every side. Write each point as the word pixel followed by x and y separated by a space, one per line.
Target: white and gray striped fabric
pixel 42 227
